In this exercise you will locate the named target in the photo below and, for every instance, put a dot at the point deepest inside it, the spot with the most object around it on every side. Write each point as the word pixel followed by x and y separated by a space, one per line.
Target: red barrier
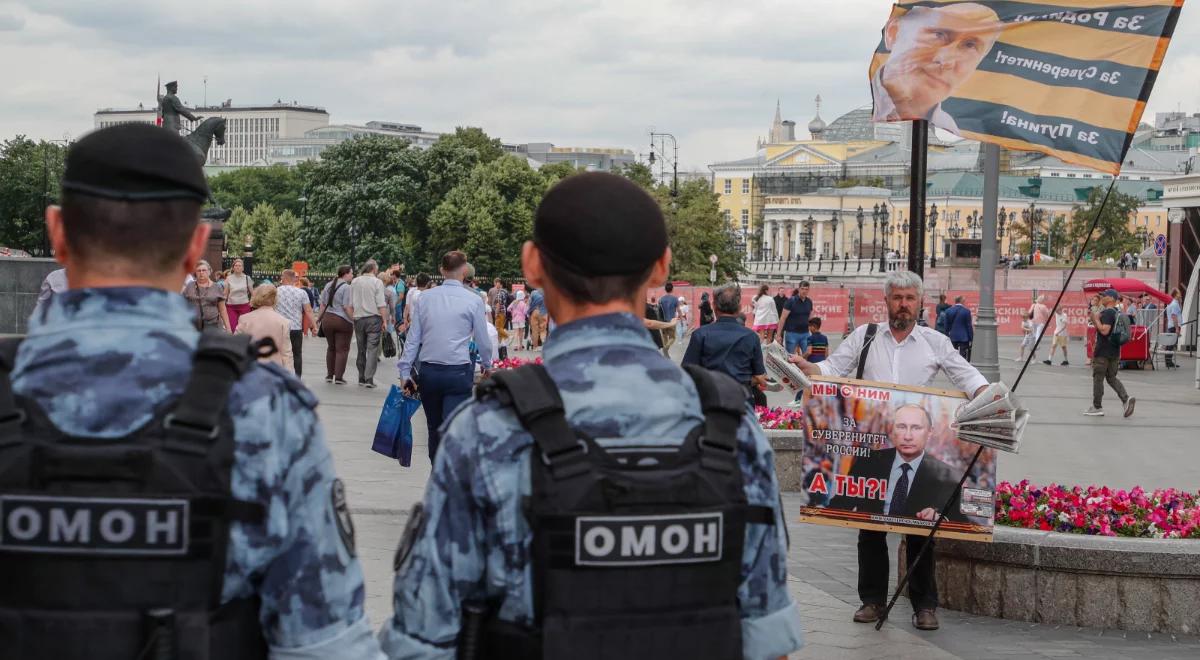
pixel 832 305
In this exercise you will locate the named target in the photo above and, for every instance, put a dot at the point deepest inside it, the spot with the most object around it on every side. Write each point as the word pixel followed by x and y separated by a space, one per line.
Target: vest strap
pixel 723 402
pixel 868 339
pixel 219 361
pixel 535 398
pixel 11 416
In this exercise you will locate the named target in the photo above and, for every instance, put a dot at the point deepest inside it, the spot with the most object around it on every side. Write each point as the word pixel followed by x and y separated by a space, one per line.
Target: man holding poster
pixel 902 353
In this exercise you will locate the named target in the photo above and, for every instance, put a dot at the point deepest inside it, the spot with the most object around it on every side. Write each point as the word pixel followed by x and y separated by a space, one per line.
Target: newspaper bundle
pixel 775 358
pixel 993 419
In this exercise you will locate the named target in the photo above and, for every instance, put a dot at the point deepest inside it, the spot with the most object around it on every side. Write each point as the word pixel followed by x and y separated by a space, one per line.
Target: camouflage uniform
pixel 474 543
pixel 102 362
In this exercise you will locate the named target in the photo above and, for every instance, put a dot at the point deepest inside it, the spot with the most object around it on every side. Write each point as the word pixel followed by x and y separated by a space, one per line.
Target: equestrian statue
pixel 201 138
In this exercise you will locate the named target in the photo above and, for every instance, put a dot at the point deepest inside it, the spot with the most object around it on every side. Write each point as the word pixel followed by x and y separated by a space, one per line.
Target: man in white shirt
pixel 370 315
pixel 906 354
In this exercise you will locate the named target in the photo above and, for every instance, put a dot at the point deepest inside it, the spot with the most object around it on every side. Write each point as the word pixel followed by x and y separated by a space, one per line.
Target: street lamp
pixel 880 216
pixel 973 223
pixel 933 217
pixel 808 237
pixel 904 237
pixel 303 199
pixel 674 159
pixel 1033 215
pixel 859 218
pixel 833 239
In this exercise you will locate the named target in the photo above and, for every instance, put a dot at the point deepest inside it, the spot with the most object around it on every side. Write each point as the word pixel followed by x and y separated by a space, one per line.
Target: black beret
pixel 598 224
pixel 135 162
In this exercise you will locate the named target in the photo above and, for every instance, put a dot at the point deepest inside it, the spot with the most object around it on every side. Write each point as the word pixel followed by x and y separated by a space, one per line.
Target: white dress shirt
pixel 895 474
pixel 914 361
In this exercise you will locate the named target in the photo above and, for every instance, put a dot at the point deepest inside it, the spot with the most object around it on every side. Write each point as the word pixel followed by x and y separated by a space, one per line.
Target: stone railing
pixel 1150 585
pixel 784 267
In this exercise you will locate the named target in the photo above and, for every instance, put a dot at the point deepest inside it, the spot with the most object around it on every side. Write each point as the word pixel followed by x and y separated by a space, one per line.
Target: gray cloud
pixel 10 23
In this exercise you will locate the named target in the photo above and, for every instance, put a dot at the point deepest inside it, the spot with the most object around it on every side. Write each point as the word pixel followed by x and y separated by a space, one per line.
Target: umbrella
pixel 1124 285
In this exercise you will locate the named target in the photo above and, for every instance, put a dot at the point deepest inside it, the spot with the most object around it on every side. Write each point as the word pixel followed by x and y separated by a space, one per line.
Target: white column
pixel 819 241
pixel 796 239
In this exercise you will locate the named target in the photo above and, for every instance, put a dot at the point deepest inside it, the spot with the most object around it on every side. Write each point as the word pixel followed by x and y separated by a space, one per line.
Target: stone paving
pixel 1156 447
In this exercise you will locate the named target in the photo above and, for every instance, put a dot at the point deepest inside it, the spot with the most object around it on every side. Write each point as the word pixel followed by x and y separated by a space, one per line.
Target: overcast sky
pixel 578 73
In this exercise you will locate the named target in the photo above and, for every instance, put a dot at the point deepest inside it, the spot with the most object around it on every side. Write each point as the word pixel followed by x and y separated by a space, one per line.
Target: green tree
pixel 696 230
pixel 639 173
pixel 1113 235
pixel 555 172
pixel 30 173
pixel 361 194
pixel 278 185
pixel 490 216
pixel 486 148
pixel 274 236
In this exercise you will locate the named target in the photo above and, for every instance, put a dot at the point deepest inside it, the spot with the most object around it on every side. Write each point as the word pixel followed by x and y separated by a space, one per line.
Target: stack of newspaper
pixel 775 358
pixel 993 419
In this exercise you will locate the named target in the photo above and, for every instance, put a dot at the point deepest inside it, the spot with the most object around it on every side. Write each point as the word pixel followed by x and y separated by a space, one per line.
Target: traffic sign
pixel 1160 245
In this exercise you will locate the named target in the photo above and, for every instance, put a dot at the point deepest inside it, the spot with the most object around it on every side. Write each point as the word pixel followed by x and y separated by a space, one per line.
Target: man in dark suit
pixel 960 328
pixel 918 486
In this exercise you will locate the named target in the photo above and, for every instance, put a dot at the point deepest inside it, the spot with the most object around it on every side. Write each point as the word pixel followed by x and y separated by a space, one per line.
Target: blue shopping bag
pixel 393 434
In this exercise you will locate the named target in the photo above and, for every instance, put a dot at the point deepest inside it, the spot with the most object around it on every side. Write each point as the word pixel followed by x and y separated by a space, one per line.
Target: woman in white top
pixel 685 317
pixel 766 317
pixel 238 288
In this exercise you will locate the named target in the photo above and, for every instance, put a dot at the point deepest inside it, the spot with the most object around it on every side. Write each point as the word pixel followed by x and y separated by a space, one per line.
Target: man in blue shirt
pixel 448 318
pixel 599 243
pixel 794 322
pixel 728 346
pixel 668 307
pixel 128 232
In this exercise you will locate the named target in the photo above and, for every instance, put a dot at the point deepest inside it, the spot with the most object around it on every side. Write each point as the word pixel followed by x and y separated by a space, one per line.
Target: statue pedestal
pixel 215 217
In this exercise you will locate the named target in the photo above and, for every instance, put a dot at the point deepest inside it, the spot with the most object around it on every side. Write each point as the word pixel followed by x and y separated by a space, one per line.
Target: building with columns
pixel 824 225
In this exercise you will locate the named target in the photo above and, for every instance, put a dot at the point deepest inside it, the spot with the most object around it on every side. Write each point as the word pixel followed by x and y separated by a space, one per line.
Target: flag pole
pixel 916 197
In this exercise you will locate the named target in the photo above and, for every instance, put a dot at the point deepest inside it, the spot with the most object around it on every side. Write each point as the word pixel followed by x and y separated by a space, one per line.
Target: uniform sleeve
pixel 446 563
pixel 301 562
pixel 770 620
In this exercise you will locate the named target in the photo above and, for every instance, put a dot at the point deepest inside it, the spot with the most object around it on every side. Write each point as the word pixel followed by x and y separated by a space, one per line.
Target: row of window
pixel 745 186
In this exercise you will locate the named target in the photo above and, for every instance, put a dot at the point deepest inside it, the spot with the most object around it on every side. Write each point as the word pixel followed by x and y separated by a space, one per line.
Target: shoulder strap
pixel 534 397
pixel 10 415
pixel 723 402
pixel 868 339
pixel 219 361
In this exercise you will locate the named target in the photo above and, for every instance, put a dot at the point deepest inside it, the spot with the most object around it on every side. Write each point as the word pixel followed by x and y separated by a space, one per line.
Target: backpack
pixel 1120 333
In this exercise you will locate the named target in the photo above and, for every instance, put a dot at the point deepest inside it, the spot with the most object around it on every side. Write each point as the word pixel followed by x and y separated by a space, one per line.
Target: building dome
pixel 816 126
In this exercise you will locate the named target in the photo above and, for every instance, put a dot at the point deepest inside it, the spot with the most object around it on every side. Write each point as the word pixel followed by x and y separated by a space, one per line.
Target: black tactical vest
pixel 636 553
pixel 116 548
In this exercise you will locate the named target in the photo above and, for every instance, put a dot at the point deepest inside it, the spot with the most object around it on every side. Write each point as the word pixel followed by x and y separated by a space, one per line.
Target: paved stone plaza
pixel 1157 447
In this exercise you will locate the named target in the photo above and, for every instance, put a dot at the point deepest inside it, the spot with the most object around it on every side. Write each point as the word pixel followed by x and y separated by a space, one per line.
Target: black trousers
pixel 963 348
pixel 874 565
pixel 297 337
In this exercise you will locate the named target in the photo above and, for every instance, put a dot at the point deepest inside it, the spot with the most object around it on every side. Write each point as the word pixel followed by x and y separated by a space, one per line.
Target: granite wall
pixel 20 279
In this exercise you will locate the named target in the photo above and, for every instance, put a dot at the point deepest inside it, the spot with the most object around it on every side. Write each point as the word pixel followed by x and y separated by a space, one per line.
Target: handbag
pixel 393 433
pixel 321 316
pixel 389 345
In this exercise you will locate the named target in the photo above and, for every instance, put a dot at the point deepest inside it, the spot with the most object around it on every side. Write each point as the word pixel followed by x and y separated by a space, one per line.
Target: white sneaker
pixel 1094 412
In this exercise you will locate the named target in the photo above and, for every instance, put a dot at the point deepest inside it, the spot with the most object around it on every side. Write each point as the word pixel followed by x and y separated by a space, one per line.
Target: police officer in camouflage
pixel 162 495
pixel 610 504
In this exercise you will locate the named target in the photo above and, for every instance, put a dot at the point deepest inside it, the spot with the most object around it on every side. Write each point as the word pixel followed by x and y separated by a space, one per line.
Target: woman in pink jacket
pixel 265 322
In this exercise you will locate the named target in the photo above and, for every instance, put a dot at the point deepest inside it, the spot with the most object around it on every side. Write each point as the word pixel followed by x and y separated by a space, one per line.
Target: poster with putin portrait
pixel 1066 78
pixel 885 457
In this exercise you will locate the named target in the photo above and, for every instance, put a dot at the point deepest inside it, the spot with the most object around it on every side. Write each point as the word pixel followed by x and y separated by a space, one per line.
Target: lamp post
pixel 808 237
pixel 904 240
pixel 1033 215
pixel 833 223
pixel 1001 220
pixel 859 218
pixel 973 223
pixel 933 218
pixel 303 199
pixel 674 159
pixel 880 216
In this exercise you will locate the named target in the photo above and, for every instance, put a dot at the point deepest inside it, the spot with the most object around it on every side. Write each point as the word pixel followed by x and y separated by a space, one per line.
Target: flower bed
pixel 1099 510
pixel 514 362
pixel 780 419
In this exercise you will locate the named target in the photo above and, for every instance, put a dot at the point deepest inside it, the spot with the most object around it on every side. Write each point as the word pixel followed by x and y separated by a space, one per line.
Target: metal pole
pixel 987 354
pixel 916 198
